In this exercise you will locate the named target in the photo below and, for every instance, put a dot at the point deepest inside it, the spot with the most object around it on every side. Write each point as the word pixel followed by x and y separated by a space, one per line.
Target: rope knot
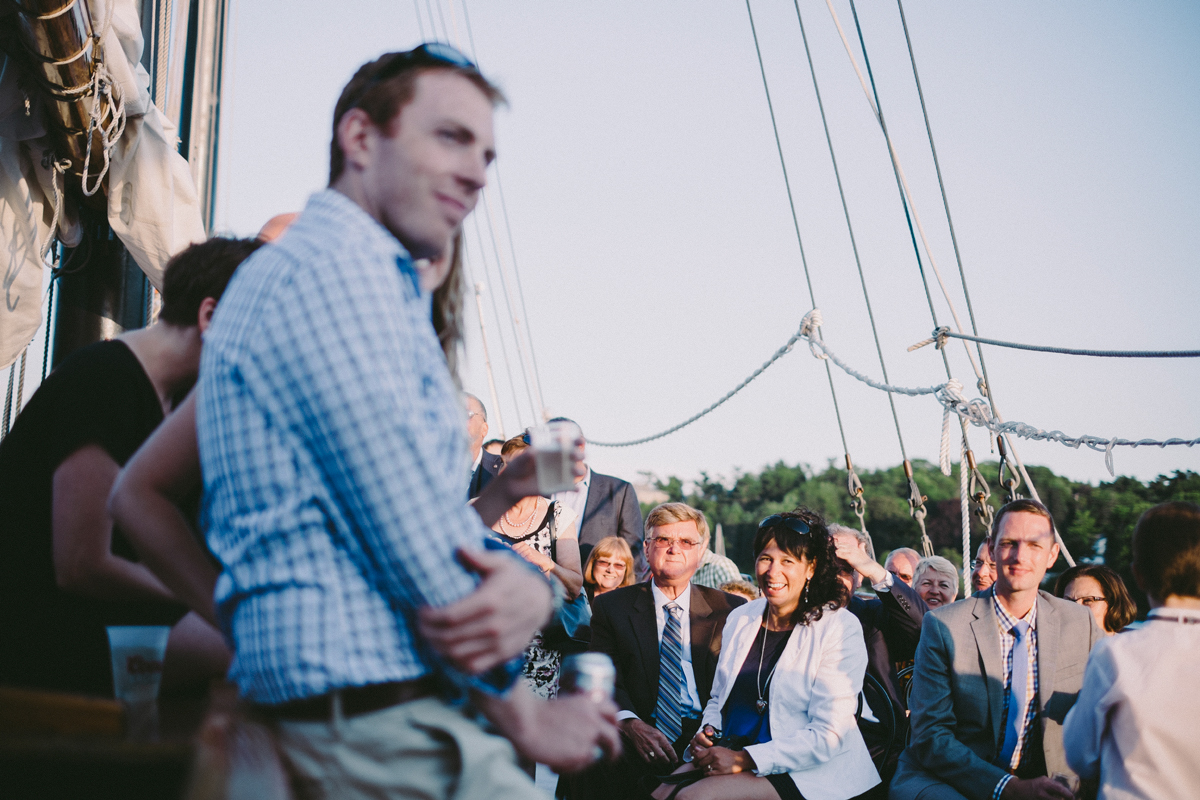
pixel 812 320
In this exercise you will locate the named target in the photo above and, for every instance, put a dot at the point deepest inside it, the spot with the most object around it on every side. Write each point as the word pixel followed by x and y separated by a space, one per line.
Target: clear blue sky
pixel 655 245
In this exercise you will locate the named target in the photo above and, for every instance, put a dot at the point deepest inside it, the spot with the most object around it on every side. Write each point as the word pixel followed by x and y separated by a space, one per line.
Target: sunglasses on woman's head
pixel 792 523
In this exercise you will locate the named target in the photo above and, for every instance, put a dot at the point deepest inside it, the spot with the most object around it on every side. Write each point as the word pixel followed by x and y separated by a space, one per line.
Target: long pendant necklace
pixel 761 703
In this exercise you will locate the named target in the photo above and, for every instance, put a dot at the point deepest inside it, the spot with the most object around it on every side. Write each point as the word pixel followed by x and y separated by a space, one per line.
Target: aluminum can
pixel 591 674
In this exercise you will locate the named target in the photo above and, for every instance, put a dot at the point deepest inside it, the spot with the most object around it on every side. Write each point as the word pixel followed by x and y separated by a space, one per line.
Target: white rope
pixel 964 502
pixel 57 167
pixel 954 389
pixel 102 88
pixel 979 413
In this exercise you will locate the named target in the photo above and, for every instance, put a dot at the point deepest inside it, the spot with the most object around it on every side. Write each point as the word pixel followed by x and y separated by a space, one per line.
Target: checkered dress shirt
pixel 1005 623
pixel 333 447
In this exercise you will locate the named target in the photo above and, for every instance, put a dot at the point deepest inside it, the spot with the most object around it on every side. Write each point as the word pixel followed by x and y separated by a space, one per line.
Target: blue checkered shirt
pixel 333 447
pixel 1005 623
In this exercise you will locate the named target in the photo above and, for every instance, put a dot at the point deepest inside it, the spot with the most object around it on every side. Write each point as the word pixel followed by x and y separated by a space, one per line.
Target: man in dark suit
pixel 891 623
pixel 605 506
pixel 995 676
pixel 664 636
pixel 486 465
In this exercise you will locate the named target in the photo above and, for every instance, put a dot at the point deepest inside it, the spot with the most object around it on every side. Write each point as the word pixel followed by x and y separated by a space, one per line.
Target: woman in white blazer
pixel 780 724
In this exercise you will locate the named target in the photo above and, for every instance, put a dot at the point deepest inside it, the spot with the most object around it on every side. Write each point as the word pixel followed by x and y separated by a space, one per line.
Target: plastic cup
pixel 553 446
pixel 137 661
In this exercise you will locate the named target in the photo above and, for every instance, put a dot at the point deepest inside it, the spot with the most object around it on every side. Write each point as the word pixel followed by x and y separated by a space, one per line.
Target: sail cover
pixel 152 203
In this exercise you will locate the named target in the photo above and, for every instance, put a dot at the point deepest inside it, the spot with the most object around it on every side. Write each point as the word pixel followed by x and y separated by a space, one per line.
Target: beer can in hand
pixel 591 674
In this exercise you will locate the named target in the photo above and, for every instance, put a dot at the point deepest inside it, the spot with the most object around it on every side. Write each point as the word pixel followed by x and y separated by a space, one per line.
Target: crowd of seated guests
pixel 755 689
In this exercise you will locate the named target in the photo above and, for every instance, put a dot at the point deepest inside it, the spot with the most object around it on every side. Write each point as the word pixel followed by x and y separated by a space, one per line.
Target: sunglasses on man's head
pixel 792 523
pixel 428 54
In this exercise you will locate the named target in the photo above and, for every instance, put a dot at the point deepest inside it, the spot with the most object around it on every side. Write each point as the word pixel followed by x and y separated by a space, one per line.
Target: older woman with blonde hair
pixel 936 580
pixel 610 566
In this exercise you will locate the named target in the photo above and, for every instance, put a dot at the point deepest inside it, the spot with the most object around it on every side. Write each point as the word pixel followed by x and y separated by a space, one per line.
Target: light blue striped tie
pixel 1018 692
pixel 669 710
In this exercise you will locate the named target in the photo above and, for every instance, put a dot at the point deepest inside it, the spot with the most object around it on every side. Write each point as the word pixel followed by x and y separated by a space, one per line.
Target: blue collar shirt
pixel 333 447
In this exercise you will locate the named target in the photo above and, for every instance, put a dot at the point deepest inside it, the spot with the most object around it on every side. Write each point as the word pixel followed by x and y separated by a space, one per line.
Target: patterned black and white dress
pixel 542 665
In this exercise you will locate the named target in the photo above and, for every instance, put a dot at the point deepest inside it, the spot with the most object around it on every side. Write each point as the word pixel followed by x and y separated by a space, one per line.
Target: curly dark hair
pixel 824 590
pixel 1121 608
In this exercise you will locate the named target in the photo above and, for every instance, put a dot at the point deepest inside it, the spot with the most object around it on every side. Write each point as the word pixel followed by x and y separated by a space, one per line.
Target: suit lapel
pixel 645 631
pixel 592 505
pixel 702 633
pixel 987 639
pixel 1047 646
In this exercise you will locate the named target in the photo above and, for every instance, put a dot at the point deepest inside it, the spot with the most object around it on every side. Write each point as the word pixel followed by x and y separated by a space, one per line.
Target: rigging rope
pixel 942 333
pixel 512 384
pixel 780 353
pixel 977 411
pixel 858 503
pixel 980 369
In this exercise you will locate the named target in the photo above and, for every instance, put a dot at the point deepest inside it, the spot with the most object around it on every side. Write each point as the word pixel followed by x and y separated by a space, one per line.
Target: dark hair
pixel 1121 608
pixel 1026 506
pixel 824 590
pixel 200 271
pixel 514 445
pixel 1166 550
pixel 382 100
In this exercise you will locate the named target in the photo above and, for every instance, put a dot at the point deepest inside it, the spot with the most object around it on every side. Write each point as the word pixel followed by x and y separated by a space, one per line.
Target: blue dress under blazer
pixel 812 698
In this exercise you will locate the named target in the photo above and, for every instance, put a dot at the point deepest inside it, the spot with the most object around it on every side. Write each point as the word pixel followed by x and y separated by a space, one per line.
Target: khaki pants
pixel 421 749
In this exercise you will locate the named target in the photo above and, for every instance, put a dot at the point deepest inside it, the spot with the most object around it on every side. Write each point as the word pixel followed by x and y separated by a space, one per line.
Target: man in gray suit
pixel 995 676
pixel 605 506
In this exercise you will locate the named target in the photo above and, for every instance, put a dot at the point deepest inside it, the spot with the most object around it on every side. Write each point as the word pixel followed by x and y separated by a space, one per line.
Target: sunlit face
pixel 782 577
pixel 936 589
pixel 901 566
pixel 1024 548
pixel 608 572
pixel 1087 591
pixel 425 177
pixel 983 569
pixel 673 551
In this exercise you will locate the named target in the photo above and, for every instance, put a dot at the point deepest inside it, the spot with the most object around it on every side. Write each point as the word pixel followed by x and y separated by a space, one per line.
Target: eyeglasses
pixel 665 542
pixel 428 54
pixel 1086 601
pixel 980 564
pixel 792 523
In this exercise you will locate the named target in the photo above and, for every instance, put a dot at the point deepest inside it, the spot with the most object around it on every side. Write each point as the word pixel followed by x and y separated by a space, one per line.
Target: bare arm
pixel 82 533
pixel 144 503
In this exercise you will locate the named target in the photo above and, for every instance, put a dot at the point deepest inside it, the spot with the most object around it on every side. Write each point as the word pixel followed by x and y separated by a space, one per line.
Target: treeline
pixel 1095 521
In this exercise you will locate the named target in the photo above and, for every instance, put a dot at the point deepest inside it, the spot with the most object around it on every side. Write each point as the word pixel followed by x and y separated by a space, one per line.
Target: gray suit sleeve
pixel 934 745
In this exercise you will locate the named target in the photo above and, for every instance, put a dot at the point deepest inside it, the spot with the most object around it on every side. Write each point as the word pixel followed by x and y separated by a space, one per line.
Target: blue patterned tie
pixel 669 710
pixel 1018 695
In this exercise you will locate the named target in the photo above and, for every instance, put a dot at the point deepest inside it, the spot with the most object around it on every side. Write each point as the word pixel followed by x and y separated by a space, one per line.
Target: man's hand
pixel 1035 789
pixel 852 551
pixel 723 761
pixel 568 734
pixel 650 744
pixel 495 622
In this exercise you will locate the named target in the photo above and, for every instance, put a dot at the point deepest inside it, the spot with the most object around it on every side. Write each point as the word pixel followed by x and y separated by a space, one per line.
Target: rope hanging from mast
pixel 916 500
pixel 858 503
